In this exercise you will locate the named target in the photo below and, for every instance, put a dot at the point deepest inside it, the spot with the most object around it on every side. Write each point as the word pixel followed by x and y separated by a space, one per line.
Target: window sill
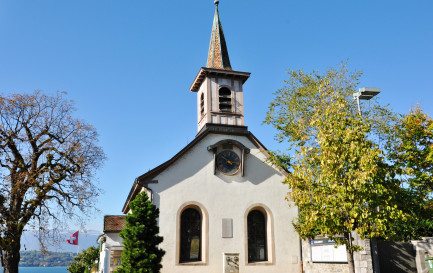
pixel 226 113
pixel 259 263
pixel 192 263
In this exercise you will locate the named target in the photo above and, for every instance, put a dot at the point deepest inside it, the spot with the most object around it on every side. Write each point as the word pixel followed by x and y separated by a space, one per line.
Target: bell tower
pixel 219 88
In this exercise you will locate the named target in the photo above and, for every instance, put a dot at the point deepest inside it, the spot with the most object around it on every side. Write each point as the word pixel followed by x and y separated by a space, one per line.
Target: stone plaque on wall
pixel 227 228
pixel 231 262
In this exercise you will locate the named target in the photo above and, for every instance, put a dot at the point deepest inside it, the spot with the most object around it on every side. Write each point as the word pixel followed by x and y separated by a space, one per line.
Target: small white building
pixel 110 243
pixel 222 206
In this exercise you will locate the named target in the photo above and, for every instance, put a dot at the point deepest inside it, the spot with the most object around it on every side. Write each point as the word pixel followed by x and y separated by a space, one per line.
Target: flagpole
pixel 73 240
pixel 78 242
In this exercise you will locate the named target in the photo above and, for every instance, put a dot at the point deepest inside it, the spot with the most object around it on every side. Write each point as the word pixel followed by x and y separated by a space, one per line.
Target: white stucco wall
pixel 192 179
pixel 112 241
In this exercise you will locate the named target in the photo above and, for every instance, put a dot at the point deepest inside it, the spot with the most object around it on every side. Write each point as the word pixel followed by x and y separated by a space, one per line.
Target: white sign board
pixel 324 250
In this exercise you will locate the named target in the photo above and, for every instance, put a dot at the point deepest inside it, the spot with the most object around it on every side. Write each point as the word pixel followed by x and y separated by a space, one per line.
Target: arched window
pixel 257 245
pixel 225 99
pixel 190 236
pixel 202 104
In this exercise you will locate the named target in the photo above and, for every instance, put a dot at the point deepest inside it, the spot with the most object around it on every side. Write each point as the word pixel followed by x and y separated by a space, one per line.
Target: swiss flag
pixel 73 240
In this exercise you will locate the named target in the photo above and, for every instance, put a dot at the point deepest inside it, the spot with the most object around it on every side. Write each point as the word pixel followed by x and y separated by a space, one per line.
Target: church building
pixel 222 206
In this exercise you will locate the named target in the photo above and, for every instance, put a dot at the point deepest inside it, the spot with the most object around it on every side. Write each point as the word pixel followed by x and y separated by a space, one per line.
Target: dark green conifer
pixel 141 253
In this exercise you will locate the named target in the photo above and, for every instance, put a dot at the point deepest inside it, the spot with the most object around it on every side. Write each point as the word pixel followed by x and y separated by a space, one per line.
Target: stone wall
pixel 423 249
pixel 362 259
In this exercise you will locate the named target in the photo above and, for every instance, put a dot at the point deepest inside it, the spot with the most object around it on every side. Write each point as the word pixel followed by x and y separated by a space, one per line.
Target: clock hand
pixel 228 161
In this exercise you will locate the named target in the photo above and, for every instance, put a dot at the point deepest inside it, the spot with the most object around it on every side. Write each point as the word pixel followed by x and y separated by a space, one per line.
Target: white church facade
pixel 222 206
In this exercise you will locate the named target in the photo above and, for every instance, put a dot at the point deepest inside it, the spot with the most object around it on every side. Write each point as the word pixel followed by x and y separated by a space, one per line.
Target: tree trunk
pixel 12 254
pixel 350 262
pixel 349 251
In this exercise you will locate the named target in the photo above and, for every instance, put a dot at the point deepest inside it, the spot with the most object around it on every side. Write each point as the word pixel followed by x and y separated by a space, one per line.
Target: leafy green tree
pixel 410 151
pixel 85 260
pixel 140 238
pixel 338 173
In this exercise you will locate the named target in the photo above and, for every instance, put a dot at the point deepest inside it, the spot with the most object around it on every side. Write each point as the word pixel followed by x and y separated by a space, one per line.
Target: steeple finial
pixel 218 56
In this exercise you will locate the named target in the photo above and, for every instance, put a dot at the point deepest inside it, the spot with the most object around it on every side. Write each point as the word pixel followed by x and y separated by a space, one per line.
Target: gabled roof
pixel 114 223
pixel 148 178
pixel 218 56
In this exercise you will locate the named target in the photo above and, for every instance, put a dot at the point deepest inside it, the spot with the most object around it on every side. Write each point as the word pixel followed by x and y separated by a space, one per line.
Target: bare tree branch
pixel 47 164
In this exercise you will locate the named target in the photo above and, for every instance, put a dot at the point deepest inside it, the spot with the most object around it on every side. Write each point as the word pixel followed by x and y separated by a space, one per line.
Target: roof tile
pixel 114 223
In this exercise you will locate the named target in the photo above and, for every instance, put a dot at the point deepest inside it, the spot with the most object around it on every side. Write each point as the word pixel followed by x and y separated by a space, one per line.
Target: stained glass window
pixel 190 236
pixel 257 248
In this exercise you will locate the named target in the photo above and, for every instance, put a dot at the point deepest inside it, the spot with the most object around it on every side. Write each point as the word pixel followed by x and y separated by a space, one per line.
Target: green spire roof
pixel 218 55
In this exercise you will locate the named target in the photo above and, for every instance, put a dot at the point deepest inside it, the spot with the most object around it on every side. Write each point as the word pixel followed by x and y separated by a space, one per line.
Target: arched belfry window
pixel 190 236
pixel 225 99
pixel 202 104
pixel 257 245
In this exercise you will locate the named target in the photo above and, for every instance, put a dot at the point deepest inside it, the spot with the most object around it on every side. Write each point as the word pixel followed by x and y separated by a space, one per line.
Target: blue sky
pixel 129 64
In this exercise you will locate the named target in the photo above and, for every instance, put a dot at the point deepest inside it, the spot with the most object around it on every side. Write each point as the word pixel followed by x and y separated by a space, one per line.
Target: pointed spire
pixel 218 55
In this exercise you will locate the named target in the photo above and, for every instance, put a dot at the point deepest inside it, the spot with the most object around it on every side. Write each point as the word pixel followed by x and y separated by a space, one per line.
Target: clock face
pixel 228 162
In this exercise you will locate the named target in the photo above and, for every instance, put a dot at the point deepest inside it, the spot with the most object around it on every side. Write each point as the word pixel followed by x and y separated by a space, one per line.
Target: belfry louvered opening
pixel 202 104
pixel 225 99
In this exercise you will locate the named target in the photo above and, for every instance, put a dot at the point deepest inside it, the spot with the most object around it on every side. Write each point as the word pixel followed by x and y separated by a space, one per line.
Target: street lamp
pixel 365 93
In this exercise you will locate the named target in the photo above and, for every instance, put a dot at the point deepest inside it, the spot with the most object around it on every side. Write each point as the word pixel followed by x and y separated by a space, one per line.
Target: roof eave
pixel 205 71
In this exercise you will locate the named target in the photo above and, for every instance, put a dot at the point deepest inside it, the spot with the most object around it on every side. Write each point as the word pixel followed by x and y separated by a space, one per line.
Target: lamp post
pixel 365 93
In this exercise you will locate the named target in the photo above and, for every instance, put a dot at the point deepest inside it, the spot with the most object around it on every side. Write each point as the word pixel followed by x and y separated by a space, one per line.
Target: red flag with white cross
pixel 73 240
